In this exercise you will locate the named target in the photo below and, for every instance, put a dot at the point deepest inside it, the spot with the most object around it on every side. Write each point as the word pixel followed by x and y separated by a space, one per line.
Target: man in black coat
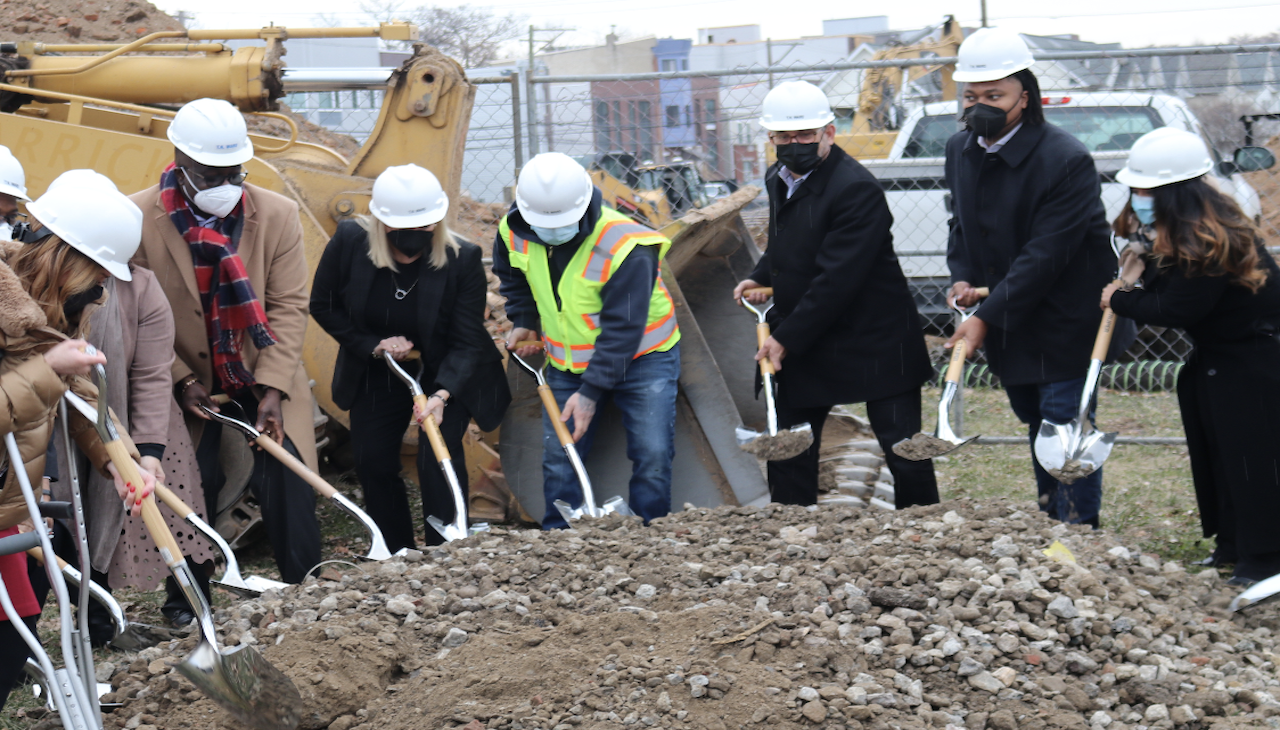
pixel 845 326
pixel 1029 224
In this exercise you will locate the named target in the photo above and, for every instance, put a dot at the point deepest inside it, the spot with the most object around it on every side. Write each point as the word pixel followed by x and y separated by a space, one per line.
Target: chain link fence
pixel 662 143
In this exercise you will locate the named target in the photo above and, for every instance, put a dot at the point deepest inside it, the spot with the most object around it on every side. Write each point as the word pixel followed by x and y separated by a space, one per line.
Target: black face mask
pixel 986 120
pixel 76 303
pixel 799 158
pixel 410 242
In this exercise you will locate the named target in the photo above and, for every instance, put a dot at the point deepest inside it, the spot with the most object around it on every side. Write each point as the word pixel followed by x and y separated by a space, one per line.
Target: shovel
pixel 613 505
pixel 240 680
pixel 231 578
pixel 459 528
pixel 129 636
pixel 944 440
pixel 1264 591
pixel 377 545
pixel 1075 450
pixel 774 445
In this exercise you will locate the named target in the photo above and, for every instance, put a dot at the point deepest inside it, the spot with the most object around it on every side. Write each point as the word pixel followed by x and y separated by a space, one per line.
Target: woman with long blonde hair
pixel 389 283
pixel 1205 270
pixel 46 289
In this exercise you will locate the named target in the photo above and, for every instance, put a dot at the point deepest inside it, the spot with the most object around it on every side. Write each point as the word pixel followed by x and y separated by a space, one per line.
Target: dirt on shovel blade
pixel 922 446
pixel 785 445
pixel 1072 471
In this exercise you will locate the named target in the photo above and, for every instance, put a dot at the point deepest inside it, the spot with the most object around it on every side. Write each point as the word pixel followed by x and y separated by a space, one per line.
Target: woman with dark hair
pixel 388 283
pixel 1029 224
pixel 1206 272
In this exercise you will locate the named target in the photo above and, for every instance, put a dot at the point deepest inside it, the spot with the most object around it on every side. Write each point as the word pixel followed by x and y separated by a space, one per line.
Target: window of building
pixel 617 125
pixel 670 64
pixel 646 130
pixel 603 131
pixel 673 116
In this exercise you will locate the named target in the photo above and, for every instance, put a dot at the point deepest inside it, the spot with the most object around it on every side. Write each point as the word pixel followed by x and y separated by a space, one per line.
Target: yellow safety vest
pixel 570 332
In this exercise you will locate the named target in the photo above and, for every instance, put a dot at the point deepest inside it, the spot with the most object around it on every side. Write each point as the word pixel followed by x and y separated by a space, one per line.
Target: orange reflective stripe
pixel 612 239
pixel 592 320
pixel 517 244
pixel 657 334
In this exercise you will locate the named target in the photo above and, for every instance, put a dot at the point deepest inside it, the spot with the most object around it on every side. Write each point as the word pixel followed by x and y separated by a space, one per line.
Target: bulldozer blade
pixel 788 443
pixel 1264 591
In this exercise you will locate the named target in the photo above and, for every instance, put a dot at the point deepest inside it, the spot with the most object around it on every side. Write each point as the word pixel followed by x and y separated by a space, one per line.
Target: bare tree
pixel 474 36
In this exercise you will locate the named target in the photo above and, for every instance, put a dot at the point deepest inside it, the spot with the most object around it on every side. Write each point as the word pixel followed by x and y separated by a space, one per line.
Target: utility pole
pixel 531 91
pixel 984 13
pixel 768 50
pixel 184 18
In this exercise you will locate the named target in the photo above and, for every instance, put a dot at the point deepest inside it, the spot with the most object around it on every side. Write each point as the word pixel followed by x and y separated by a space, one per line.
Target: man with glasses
pixel 13 187
pixel 844 323
pixel 229 257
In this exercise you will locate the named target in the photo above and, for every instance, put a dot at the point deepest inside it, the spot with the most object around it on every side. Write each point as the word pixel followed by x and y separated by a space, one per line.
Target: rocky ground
pixel 942 616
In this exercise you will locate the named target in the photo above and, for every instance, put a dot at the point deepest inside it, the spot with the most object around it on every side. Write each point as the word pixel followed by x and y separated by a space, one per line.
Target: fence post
pixel 515 123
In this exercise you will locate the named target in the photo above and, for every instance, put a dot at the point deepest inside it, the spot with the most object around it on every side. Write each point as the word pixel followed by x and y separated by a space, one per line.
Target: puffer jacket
pixel 30 389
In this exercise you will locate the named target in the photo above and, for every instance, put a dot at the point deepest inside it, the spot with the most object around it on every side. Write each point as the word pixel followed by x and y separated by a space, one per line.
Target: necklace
pixel 401 293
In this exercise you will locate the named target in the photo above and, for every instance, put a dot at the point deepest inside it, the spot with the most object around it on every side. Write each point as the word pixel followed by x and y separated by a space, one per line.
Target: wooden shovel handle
pixel 956 367
pixel 983 292
pixel 151 516
pixel 765 290
pixel 1105 329
pixel 553 411
pixel 762 334
pixel 38 554
pixel 429 427
pixel 172 501
pixel 220 398
pixel 269 445
pixel 527 343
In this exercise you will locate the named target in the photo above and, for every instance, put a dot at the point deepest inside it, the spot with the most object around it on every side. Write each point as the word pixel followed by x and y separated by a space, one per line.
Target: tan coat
pixel 273 254
pixel 30 390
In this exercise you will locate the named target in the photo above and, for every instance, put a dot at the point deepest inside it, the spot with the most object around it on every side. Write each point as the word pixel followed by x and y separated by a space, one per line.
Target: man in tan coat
pixel 229 257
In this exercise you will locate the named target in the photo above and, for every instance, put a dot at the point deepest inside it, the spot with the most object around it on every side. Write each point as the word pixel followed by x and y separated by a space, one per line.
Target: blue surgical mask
pixel 1144 206
pixel 556 236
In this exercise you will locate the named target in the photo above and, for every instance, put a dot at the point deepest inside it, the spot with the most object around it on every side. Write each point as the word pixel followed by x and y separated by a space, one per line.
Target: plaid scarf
pixel 231 307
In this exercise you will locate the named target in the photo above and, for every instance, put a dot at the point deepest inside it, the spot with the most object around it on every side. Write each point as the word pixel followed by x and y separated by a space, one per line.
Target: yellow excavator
pixel 874 125
pixel 652 194
pixel 108 108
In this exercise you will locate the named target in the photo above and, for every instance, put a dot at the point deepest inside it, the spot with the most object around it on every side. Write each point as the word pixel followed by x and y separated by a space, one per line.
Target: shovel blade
pixel 568 512
pixel 250 585
pixel 450 531
pixel 137 637
pixel 246 685
pixel 789 442
pixel 1260 592
pixel 1093 449
pixel 923 446
pixel 1055 444
pixel 616 506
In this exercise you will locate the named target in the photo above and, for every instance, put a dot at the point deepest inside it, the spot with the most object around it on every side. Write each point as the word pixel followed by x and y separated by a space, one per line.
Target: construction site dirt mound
pixel 949 616
pixel 66 21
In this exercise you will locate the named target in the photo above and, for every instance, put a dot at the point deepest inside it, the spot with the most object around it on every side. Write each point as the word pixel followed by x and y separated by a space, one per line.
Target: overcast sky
pixel 1134 23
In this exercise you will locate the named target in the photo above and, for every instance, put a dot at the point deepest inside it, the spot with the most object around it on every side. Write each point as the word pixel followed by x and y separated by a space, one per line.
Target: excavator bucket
pixel 711 251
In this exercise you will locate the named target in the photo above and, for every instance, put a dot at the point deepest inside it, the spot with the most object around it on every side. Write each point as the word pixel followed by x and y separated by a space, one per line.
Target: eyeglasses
pixel 204 182
pixel 807 136
pixel 13 217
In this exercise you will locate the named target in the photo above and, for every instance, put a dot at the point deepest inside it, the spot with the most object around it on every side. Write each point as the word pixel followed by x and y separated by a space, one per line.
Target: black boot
pixel 176 608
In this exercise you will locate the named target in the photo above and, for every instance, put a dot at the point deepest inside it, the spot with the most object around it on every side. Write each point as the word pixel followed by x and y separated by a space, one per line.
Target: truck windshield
pixel 1099 128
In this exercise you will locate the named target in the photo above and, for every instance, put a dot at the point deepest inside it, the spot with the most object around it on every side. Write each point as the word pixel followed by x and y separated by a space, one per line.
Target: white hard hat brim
pixel 19 194
pixel 799 125
pixel 428 217
pixel 1146 182
pixel 995 74
pixel 230 159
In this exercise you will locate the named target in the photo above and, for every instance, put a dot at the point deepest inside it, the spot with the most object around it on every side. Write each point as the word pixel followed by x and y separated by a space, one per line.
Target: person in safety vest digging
pixel 585 278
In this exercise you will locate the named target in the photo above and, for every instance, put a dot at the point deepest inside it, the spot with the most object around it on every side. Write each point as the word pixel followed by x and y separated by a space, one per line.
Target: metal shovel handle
pixel 270 446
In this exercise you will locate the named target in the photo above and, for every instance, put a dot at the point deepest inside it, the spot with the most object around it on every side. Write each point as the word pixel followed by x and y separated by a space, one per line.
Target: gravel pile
pixel 942 616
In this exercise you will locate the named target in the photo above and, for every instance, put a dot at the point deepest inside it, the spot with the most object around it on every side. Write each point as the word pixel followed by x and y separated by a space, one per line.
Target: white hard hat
pixel 991 54
pixel 795 105
pixel 13 179
pixel 211 132
pixel 408 196
pixel 553 191
pixel 1164 156
pixel 94 219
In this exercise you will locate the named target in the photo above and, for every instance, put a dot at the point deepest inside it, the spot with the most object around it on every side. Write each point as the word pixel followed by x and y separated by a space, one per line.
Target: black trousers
pixel 288 503
pixel 13 654
pixel 795 480
pixel 378 422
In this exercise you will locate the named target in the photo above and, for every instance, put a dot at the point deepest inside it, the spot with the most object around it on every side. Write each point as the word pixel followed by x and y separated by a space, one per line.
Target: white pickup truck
pixel 1107 124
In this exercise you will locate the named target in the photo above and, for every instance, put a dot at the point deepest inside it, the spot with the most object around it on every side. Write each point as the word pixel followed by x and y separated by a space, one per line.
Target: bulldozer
pixel 652 194
pixel 870 130
pixel 108 108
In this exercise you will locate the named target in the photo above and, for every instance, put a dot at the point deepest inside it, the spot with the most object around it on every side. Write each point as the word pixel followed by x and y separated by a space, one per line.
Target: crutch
pixel 80 636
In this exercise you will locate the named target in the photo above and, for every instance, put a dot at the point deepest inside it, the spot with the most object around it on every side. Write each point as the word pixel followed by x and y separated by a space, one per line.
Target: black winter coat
pixel 841 303
pixel 468 364
pixel 1028 222
pixel 1229 394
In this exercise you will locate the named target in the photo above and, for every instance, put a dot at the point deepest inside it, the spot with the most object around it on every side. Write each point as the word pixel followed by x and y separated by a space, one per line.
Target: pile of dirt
pixel 343 144
pixel 949 616
pixel 66 21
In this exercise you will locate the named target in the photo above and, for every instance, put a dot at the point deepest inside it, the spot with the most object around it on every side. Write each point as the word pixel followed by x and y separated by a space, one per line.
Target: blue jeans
pixel 1059 403
pixel 647 398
